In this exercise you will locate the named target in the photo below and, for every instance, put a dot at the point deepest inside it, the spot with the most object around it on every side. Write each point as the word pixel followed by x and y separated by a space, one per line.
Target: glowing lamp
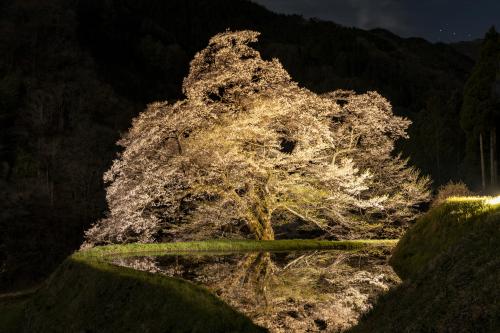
pixel 494 200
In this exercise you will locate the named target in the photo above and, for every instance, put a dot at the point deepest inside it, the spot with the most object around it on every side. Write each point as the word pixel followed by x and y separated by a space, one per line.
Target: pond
pixel 298 291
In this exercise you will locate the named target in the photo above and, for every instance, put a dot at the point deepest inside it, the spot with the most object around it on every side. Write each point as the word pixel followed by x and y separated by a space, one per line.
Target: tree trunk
pixel 437 149
pixel 268 232
pixel 493 157
pixel 483 179
pixel 264 220
pixel 260 222
pixel 438 164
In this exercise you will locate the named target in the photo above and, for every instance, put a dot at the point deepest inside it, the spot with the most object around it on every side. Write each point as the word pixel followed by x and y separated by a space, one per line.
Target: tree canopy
pixel 248 144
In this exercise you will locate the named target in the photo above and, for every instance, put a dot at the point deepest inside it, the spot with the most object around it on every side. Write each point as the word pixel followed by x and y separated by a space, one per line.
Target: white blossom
pixel 247 143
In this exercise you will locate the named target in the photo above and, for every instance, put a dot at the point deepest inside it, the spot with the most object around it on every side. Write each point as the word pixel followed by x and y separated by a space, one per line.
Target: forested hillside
pixel 74 73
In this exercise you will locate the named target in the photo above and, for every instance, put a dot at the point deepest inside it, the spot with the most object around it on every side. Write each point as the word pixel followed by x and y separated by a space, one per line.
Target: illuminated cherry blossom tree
pixel 248 143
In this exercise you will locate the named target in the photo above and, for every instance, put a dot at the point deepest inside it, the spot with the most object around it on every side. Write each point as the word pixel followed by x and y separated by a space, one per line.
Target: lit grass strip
pixel 134 249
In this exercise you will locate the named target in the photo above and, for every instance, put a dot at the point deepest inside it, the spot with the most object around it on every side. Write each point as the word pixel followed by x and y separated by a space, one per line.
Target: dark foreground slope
pixel 97 297
pixel 74 73
pixel 87 294
pixel 451 265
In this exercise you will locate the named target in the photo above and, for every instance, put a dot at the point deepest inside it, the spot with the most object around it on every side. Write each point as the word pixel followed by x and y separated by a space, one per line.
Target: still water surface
pixel 298 291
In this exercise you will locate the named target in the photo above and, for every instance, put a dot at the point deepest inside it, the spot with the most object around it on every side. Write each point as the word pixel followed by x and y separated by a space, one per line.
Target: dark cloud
pixel 436 20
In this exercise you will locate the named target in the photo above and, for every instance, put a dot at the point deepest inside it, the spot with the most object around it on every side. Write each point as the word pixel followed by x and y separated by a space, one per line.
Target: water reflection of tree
pixel 248 282
pixel 311 291
pixel 291 292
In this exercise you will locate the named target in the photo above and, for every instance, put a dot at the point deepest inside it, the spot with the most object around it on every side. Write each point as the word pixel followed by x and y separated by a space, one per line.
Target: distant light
pixel 494 200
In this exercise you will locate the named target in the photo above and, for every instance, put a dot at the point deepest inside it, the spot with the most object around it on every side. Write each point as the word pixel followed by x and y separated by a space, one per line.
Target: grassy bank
pixel 230 245
pixel 12 313
pixel 92 296
pixel 451 269
pixel 440 229
pixel 87 294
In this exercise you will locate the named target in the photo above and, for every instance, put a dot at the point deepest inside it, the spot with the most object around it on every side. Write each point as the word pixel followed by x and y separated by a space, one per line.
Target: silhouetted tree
pixel 481 105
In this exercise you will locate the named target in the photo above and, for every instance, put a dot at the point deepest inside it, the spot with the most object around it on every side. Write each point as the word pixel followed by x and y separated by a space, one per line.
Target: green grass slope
pixel 440 229
pixel 12 314
pixel 87 294
pixel 91 296
pixel 450 264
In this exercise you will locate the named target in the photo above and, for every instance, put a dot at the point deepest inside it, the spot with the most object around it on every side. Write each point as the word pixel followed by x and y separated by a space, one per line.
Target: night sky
pixel 435 20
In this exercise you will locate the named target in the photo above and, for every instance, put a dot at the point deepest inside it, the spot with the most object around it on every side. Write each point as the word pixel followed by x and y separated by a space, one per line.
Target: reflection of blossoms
pixel 248 144
pixel 288 292
pixel 146 264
